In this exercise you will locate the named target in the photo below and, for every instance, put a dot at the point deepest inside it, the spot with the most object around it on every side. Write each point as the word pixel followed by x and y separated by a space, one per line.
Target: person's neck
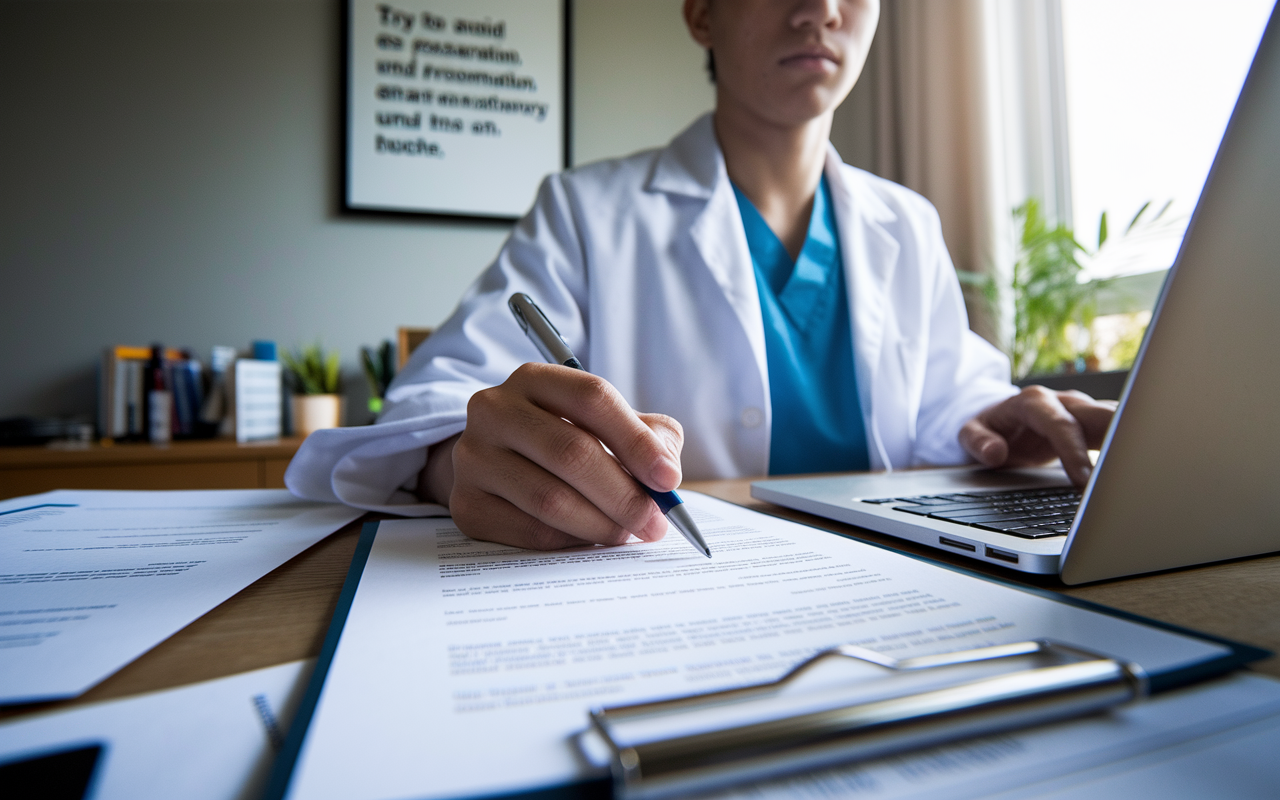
pixel 777 167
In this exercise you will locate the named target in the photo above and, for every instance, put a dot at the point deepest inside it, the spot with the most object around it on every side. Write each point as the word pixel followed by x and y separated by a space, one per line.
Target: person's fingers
pixel 571 454
pixel 1041 411
pixel 671 433
pixel 540 443
pixel 605 508
pixel 488 518
pixel 1094 415
pixel 988 447
pixel 591 403
pixel 1037 424
pixel 580 461
pixel 507 423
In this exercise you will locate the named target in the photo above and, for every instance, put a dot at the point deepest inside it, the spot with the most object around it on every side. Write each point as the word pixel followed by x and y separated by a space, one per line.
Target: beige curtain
pixel 962 101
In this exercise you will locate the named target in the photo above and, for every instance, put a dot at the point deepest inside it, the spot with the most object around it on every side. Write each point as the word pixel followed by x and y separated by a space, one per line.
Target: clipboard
pixel 1126 687
pixel 710 741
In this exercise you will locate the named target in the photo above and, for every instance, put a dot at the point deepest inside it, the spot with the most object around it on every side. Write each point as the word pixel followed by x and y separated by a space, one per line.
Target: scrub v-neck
pixel 817 418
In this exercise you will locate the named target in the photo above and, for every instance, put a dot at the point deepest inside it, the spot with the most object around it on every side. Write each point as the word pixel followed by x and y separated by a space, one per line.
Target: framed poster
pixel 454 107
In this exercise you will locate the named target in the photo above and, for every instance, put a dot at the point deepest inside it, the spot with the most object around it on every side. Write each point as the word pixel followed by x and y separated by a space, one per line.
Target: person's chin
pixel 805 102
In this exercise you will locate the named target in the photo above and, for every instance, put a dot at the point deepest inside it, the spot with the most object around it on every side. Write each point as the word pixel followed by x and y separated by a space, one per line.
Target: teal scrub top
pixel 817 418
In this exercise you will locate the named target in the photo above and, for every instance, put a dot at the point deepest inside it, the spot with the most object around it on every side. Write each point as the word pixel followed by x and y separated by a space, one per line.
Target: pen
pixel 553 348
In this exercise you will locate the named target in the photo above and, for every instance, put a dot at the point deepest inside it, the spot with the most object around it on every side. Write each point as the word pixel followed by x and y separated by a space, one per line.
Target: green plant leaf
pixel 370 370
pixel 331 370
pixel 386 357
pixel 311 371
pixel 1138 216
pixel 1051 305
pixel 1102 230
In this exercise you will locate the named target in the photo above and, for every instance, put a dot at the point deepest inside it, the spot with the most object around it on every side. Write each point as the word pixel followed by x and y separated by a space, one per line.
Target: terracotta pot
pixel 313 412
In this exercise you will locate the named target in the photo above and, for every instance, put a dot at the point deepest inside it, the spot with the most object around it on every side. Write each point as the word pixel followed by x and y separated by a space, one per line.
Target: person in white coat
pixel 650 267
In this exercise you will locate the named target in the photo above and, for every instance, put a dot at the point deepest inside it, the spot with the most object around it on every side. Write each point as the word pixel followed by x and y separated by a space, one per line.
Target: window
pixel 1150 86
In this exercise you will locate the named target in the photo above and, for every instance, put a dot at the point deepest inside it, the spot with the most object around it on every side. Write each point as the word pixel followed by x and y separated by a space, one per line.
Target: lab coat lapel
pixel 870 256
pixel 693 166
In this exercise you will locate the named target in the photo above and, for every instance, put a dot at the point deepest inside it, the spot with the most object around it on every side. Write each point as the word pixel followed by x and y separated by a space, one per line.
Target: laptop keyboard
pixel 1029 513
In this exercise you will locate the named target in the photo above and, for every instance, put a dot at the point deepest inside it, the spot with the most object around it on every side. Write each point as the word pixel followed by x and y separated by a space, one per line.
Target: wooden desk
pixel 284 616
pixel 199 464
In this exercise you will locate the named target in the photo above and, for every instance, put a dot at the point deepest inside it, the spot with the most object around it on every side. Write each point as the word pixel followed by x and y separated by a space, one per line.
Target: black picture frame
pixel 351 207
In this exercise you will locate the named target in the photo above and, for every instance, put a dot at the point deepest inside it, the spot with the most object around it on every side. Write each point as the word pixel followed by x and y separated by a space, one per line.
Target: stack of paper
pixel 91 580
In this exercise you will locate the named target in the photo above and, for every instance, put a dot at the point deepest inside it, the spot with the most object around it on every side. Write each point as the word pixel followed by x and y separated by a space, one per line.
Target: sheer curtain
pixel 963 101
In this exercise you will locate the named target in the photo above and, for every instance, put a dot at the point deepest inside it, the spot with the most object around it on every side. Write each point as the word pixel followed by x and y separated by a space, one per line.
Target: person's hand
pixel 530 470
pixel 1037 425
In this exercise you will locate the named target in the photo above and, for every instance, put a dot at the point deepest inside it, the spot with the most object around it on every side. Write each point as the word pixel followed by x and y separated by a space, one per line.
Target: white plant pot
pixel 313 412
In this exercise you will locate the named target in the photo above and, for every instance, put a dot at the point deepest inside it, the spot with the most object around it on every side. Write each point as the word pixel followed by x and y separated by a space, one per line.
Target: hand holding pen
pixel 554 348
pixel 532 469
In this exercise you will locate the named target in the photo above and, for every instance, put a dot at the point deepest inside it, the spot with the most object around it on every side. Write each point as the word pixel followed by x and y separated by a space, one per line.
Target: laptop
pixel 1189 472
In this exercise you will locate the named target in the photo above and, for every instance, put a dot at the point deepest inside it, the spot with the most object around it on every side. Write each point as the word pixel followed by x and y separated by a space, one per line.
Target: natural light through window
pixel 1150 87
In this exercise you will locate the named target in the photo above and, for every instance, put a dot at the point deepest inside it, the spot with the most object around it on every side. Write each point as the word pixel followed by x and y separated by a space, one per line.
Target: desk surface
pixel 284 616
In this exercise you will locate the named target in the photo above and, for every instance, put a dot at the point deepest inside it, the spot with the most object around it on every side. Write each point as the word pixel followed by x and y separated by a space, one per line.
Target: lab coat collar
pixel 691 164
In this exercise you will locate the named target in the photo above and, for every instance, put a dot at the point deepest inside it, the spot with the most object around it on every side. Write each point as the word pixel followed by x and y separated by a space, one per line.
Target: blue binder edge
pixel 601 788
pixel 287 758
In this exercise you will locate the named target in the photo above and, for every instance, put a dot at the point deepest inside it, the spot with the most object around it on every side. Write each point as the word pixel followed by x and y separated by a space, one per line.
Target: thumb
pixel 988 447
pixel 670 433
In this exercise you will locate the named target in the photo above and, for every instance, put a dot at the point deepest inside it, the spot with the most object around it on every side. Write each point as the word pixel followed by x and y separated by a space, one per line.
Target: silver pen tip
pixel 680 517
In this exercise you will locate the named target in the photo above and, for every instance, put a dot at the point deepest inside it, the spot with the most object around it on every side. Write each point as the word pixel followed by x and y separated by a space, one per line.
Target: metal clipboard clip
pixel 816 716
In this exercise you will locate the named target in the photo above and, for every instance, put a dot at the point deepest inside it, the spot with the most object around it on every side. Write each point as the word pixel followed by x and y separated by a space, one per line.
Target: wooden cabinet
pixel 211 464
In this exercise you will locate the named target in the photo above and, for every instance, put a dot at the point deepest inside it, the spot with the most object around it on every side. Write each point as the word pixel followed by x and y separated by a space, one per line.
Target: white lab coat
pixel 642 263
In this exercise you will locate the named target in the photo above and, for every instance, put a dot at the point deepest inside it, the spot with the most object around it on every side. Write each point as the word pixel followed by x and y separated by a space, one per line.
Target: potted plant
pixel 1054 308
pixel 314 377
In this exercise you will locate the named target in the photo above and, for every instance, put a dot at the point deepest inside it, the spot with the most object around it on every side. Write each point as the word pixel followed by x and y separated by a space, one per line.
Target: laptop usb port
pixel 1002 555
pixel 959 545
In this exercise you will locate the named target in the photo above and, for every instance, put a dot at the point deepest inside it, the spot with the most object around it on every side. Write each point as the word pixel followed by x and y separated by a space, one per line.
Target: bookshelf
pixel 198 464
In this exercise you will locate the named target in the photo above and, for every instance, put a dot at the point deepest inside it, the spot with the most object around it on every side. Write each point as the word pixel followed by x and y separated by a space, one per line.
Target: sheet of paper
pixel 208 741
pixel 90 580
pixel 466 668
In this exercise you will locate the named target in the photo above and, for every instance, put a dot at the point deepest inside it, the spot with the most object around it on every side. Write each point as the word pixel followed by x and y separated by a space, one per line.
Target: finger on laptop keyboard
pixel 1045 413
pixel 987 446
pixel 1034 427
pixel 1094 415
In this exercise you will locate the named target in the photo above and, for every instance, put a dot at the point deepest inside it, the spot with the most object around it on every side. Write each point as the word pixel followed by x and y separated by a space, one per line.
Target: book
pixel 121 394
pixel 253 395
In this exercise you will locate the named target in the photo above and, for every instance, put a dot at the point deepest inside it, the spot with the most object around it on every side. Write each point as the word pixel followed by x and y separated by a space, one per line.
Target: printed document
pixel 468 668
pixel 208 741
pixel 90 580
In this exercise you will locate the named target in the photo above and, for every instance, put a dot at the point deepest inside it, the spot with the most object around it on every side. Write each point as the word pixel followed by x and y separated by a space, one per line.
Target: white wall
pixel 638 77
pixel 171 172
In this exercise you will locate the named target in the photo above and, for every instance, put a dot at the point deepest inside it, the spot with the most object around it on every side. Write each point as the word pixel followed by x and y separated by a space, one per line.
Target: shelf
pixel 201 464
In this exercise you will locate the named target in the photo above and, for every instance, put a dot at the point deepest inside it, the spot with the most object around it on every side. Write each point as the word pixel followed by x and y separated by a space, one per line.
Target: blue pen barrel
pixel 665 500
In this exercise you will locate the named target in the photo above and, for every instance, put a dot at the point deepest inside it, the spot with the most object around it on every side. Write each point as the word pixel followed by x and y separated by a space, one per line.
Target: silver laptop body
pixel 1190 469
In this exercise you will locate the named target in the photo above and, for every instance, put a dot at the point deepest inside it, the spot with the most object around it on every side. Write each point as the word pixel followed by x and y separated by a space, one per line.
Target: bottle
pixel 159 399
